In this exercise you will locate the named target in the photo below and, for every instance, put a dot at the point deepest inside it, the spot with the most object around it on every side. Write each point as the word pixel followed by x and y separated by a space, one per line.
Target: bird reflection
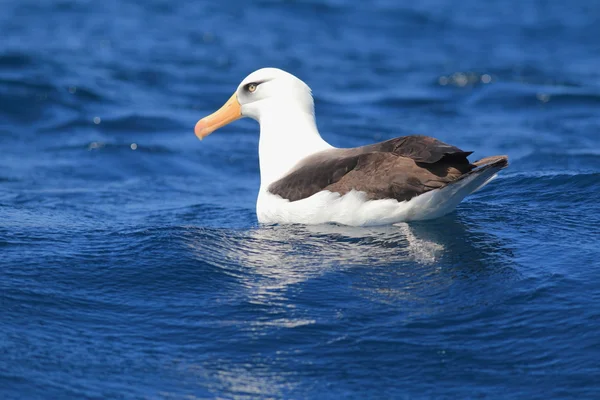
pixel 393 262
pixel 288 278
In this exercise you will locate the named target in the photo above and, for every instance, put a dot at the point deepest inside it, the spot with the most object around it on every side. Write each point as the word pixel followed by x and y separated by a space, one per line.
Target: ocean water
pixel 131 262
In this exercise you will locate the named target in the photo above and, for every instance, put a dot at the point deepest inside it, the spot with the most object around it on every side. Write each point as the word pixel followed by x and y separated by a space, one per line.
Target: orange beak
pixel 230 111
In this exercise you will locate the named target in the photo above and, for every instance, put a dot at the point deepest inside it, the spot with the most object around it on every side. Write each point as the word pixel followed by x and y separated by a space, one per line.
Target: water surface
pixel 131 261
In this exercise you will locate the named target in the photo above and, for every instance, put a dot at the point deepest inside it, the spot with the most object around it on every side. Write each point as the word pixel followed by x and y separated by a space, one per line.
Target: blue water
pixel 131 261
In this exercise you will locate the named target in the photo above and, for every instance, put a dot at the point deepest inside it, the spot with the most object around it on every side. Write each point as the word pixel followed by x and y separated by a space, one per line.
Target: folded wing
pixel 399 168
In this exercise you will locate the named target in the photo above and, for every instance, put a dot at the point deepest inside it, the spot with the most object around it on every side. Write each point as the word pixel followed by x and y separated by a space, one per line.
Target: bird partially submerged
pixel 306 180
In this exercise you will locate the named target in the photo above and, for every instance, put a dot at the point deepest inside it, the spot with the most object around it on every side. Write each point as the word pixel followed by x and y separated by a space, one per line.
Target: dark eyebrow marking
pixel 247 85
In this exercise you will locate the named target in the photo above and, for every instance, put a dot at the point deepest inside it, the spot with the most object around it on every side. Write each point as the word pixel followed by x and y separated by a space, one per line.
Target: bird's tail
pixel 493 161
pixel 486 169
pixel 442 201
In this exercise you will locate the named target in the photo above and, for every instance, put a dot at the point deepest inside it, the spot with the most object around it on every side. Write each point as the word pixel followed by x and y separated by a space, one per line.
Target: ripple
pixel 112 125
pixel 131 261
pixel 515 95
pixel 141 123
pixel 113 147
pixel 12 60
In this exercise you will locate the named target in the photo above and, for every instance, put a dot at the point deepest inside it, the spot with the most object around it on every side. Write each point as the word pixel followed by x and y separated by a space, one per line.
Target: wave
pixel 12 60
pixel 113 147
pixel 27 101
pixel 567 161
pixel 126 123
pixel 514 95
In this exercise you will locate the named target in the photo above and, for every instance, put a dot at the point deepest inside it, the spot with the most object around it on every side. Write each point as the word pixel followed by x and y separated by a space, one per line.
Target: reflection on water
pixel 292 281
pixel 249 380
pixel 393 262
pixel 278 256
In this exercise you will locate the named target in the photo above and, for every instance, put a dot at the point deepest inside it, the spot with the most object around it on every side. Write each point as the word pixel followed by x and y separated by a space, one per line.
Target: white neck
pixel 287 135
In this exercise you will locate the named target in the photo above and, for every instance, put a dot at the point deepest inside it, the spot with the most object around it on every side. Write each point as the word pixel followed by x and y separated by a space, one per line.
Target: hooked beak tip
pixel 231 111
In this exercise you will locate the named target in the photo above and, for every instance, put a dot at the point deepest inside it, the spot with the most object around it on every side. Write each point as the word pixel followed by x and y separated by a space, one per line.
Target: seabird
pixel 305 180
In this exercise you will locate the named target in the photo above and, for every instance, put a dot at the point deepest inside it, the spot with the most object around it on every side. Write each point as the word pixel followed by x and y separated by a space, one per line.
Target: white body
pixel 355 209
pixel 283 106
pixel 287 138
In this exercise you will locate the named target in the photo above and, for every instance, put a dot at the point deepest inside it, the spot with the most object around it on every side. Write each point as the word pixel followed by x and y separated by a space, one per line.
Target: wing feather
pixel 399 168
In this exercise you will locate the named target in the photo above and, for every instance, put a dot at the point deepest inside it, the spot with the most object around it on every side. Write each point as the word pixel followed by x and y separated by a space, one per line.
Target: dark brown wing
pixel 317 173
pixel 388 176
pixel 399 168
pixel 420 148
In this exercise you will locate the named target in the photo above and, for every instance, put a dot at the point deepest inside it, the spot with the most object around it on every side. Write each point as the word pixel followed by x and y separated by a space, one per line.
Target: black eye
pixel 251 87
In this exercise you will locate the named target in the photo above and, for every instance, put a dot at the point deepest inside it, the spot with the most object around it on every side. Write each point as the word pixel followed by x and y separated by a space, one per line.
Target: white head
pixel 284 107
pixel 262 92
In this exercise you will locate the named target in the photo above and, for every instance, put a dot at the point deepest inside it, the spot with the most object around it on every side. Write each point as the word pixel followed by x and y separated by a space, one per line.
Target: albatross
pixel 305 180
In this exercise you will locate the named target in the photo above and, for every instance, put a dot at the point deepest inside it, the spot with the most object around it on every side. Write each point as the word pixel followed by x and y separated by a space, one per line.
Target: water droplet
pixel 95 145
pixel 443 80
pixel 485 78
pixel 133 146
pixel 460 79
pixel 543 97
pixel 97 120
